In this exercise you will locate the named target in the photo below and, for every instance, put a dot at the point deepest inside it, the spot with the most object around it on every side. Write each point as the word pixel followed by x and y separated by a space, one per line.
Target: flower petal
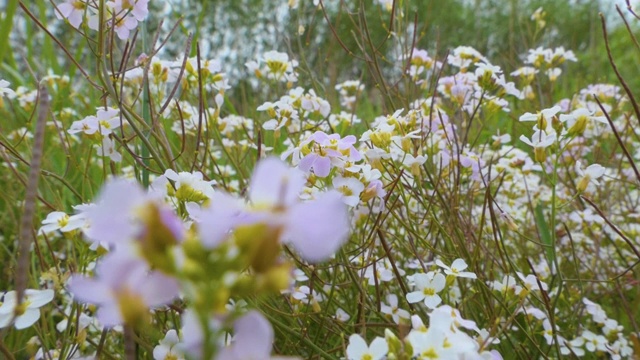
pixel 275 183
pixel 158 289
pixel 357 347
pixel 318 228
pixel 88 290
pixel 415 296
pixel 27 319
pixel 379 348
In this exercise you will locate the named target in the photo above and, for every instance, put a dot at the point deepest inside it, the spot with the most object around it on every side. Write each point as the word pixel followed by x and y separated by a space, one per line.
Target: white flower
pixel 190 186
pixel 108 148
pixel 531 282
pixel 428 286
pixel 542 118
pixel 589 175
pixel 539 141
pixel 456 269
pixel 393 310
pixel 553 73
pixel 358 349
pixel 578 121
pixel 28 311
pixel 594 342
pixel 342 315
pixel 167 349
pixel 350 189
pixel 5 90
pixel 55 221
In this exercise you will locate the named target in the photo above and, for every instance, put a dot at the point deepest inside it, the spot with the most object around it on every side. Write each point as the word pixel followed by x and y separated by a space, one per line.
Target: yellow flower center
pixel 429 291
pixel 345 190
pixel 430 354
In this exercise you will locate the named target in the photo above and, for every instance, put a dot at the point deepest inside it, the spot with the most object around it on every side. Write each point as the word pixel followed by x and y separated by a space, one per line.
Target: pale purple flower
pixel 112 219
pixel 73 11
pixel 124 26
pixel 215 222
pixel 117 216
pixel 324 149
pixel 319 163
pixel 252 340
pixel 342 144
pixel 123 281
pixel 316 228
pixel 139 8
pixel 192 334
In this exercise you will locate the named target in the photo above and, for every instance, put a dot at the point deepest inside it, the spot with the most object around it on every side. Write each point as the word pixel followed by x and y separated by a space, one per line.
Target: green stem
pixel 146 113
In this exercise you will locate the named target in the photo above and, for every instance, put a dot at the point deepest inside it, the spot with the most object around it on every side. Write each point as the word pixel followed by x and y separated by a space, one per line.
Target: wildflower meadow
pixel 319 179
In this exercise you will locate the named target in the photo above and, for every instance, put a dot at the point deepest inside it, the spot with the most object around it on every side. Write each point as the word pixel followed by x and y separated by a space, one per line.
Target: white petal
pixel 414 297
pixel 357 347
pixel 38 298
pixel 459 264
pixel 27 319
pixel 432 301
pixel 379 348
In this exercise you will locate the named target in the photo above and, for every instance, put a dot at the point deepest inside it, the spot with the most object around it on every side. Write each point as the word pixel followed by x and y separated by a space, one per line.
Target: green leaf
pixel 545 233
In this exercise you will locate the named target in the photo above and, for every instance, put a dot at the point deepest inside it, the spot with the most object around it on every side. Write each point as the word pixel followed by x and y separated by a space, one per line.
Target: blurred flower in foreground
pixel 124 289
pixel 316 228
pixel 253 339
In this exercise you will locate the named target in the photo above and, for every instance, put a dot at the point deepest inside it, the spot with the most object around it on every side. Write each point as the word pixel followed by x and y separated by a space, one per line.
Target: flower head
pixel 124 289
pixel 456 269
pixel 589 175
pixel 26 313
pixel 252 340
pixel 428 286
pixel 359 350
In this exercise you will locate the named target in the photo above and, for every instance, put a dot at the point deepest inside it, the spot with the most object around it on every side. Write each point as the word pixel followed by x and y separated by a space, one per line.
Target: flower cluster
pixel 122 15
pixel 467 213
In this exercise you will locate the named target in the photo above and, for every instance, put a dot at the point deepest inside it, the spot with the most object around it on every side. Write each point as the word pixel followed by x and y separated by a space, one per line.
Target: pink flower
pixel 124 289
